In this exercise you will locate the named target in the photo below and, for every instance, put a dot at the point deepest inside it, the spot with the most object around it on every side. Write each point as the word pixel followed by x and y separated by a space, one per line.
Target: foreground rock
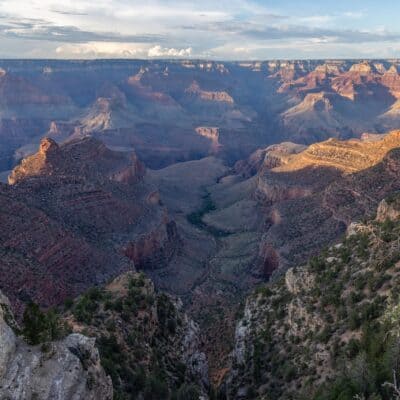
pixel 66 370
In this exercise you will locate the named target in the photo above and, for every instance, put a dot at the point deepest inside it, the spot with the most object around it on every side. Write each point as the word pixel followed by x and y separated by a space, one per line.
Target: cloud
pixel 260 32
pixel 35 29
pixel 158 51
pixel 354 14
pixel 188 28
pixel 303 32
pixel 66 12
pixel 100 50
pixel 118 50
pixel 242 50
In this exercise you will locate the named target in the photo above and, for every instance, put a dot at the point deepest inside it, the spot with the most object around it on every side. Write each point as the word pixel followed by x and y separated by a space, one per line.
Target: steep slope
pixel 66 370
pixel 76 215
pixel 312 196
pixel 147 343
pixel 329 329
pixel 219 227
pixel 347 156
pixel 26 111
pixel 238 230
pixel 109 111
pixel 42 260
pixel 315 115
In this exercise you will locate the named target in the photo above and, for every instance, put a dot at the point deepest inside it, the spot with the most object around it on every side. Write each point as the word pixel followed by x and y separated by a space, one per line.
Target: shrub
pixel 155 388
pixel 35 324
pixel 39 327
pixel 187 392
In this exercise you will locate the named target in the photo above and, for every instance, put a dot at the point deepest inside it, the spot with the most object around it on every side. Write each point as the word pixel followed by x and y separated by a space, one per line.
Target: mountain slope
pixel 312 196
pixel 326 330
pixel 147 344
pixel 76 215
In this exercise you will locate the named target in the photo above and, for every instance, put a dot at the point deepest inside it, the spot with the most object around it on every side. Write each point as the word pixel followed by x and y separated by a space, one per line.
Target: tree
pixel 155 388
pixel 35 324
pixel 187 392
pixel 39 327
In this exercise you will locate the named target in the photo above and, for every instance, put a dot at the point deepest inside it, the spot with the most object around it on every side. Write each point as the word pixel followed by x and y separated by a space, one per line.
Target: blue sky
pixel 224 29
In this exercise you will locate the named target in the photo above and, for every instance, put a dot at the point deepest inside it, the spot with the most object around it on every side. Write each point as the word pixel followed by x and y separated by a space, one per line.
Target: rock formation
pixel 155 107
pixel 312 196
pixel 66 370
pixel 74 212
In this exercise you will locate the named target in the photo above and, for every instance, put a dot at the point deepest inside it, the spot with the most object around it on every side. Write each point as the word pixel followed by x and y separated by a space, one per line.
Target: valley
pixel 202 206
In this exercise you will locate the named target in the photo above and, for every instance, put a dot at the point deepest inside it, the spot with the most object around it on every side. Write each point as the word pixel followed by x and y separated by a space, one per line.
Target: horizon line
pixel 201 59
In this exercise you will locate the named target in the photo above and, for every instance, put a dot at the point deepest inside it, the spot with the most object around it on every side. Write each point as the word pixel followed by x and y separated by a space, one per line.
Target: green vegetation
pixel 370 367
pixel 40 327
pixel 138 333
pixel 196 218
pixel 187 392
pixel 88 304
pixel 330 337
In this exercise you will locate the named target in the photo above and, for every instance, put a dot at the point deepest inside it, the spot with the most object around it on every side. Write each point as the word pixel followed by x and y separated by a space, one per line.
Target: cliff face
pixel 312 332
pixel 153 250
pixel 71 213
pixel 312 196
pixel 65 370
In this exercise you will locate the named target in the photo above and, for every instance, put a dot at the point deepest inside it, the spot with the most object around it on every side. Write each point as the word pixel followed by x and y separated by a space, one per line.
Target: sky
pixel 206 29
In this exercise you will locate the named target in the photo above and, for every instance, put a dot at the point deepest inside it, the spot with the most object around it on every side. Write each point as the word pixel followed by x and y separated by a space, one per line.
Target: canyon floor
pixel 220 229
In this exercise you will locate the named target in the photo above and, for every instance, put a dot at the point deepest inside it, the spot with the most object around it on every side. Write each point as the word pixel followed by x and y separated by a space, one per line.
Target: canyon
pixel 170 111
pixel 217 180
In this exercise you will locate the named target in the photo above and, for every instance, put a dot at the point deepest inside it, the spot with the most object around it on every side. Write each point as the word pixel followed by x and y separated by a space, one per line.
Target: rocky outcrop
pixel 347 156
pixel 87 158
pixel 66 370
pixel 204 95
pixel 299 280
pixel 271 157
pixel 155 249
pixel 270 192
pixel 330 101
pixel 362 68
pixel 211 133
pixel 388 209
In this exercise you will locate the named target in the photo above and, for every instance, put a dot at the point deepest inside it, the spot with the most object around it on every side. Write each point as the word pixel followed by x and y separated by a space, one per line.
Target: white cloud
pixel 100 49
pixel 245 50
pixel 158 51
pixel 354 14
pixel 118 50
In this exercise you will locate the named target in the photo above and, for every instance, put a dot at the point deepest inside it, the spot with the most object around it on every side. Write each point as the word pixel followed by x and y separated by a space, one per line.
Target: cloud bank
pixel 234 29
